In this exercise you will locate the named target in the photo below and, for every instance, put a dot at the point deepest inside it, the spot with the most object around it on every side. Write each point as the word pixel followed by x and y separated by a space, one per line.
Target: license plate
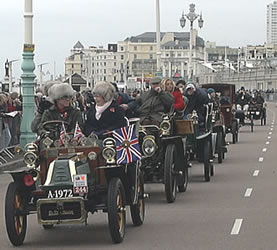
pixel 60 193
pixel 80 184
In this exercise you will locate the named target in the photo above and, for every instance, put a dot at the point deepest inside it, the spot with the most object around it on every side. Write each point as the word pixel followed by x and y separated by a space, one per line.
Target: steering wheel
pixel 54 124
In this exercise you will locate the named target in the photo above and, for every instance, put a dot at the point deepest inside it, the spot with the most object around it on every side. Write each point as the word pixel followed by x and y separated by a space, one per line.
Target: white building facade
pixel 272 23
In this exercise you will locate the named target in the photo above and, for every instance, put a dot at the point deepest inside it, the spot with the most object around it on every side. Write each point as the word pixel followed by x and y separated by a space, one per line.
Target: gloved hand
pixel 44 105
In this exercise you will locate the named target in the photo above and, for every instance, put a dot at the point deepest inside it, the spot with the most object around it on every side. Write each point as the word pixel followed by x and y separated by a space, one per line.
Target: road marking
pixel 269 137
pixel 248 192
pixel 267 142
pixel 270 133
pixel 264 149
pixel 236 227
pixel 256 172
pixel 261 159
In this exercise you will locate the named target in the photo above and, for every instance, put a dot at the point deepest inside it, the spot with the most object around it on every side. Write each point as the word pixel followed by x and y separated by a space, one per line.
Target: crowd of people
pixel 105 107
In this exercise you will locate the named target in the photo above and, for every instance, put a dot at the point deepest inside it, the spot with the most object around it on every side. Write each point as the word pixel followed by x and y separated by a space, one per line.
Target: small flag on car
pixel 63 136
pixel 77 133
pixel 127 145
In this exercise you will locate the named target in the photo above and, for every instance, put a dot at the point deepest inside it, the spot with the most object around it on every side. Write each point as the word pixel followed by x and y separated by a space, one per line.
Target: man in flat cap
pixel 152 104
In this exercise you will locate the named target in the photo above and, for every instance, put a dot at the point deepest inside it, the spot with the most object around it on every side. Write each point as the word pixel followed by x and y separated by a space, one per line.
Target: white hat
pixel 58 91
pixel 190 86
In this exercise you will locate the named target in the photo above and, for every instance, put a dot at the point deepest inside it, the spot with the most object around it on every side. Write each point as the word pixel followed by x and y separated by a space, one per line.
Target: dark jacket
pixel 243 98
pixel 72 116
pixel 123 98
pixel 151 105
pixel 196 102
pixel 112 118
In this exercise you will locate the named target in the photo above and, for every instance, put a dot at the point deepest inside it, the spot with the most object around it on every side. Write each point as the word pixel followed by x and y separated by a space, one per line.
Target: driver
pixel 152 104
pixel 61 96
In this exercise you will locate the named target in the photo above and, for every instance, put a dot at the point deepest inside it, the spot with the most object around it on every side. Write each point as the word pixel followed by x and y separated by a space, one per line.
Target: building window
pixel 122 57
pixel 114 57
pixel 151 47
pixel 105 71
pixel 114 64
pixel 104 78
pixel 135 56
pixel 72 66
pixel 121 48
pixel 135 48
pixel 151 56
pixel 104 63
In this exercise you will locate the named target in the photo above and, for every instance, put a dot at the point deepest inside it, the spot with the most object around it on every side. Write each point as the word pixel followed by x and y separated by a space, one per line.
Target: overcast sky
pixel 59 24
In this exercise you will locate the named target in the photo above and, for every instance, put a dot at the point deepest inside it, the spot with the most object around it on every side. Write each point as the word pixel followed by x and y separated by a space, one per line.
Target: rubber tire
pixel 170 180
pixel 48 227
pixel 138 210
pixel 234 132
pixel 219 142
pixel 206 157
pixel 116 187
pixel 185 179
pixel 252 123
pixel 15 238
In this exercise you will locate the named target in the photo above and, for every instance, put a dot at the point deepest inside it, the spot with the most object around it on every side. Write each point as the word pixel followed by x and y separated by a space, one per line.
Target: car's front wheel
pixel 138 209
pixel 16 221
pixel 116 210
pixel 170 180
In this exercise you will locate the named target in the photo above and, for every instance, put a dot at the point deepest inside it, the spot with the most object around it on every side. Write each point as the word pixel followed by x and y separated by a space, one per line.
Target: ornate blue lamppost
pixel 28 67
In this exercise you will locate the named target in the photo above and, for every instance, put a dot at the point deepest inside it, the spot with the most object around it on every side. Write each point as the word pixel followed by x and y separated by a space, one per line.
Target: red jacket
pixel 178 100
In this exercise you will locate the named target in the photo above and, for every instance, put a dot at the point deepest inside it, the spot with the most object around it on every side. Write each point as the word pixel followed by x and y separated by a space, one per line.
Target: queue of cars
pixel 63 183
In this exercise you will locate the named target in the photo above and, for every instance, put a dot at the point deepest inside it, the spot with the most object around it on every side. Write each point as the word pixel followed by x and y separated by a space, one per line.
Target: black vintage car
pixel 164 159
pixel 201 142
pixel 62 184
pixel 226 94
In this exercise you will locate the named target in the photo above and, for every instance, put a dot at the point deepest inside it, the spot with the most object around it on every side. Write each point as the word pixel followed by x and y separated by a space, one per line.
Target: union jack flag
pixel 63 135
pixel 77 133
pixel 127 145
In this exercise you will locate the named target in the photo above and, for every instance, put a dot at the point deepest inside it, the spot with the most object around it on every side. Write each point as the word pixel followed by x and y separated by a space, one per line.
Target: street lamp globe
pixel 183 21
pixel 200 21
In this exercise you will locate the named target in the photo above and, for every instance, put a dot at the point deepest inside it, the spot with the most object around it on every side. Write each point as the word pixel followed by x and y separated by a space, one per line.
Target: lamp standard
pixel 191 16
pixel 41 73
pixel 28 67
pixel 10 74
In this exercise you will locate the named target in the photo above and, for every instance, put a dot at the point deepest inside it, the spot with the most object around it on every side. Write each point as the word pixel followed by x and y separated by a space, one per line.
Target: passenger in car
pixel 105 115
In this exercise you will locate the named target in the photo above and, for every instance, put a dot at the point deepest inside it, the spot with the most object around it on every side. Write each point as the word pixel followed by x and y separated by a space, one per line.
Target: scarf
pixel 101 109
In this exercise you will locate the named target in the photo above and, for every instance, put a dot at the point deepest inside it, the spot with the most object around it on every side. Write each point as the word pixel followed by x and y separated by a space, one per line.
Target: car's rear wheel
pixel 170 181
pixel 138 210
pixel 48 227
pixel 207 163
pixel 219 143
pixel 252 123
pixel 116 210
pixel 16 224
pixel 183 184
pixel 234 132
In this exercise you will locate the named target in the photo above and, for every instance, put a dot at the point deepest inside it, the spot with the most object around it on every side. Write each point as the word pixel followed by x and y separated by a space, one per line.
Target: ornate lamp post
pixel 191 16
pixel 28 67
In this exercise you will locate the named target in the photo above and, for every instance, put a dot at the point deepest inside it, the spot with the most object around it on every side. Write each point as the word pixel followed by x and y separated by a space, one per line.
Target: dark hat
pixel 210 90
pixel 155 80
pixel 181 82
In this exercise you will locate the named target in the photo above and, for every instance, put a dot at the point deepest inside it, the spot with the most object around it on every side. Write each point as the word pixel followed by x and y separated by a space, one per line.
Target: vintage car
pixel 201 142
pixel 226 95
pixel 256 111
pixel 218 125
pixel 164 159
pixel 63 183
